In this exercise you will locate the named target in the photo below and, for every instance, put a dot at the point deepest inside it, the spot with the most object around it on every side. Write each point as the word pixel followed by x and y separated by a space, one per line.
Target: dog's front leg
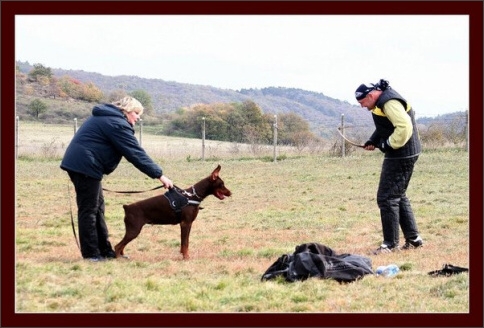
pixel 185 234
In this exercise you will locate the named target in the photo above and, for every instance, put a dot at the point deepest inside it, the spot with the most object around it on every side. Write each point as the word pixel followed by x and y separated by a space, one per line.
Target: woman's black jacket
pixel 100 143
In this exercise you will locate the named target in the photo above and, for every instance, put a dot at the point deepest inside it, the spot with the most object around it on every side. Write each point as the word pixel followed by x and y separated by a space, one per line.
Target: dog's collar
pixel 195 193
pixel 192 194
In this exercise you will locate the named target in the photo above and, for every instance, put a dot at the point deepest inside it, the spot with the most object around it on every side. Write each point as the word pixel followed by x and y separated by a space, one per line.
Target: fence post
pixel 16 137
pixel 275 138
pixel 467 130
pixel 140 132
pixel 203 138
pixel 343 148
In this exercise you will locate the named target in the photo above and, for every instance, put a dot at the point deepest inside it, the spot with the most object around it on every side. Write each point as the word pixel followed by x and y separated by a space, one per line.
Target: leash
pixel 133 191
pixel 72 217
pixel 140 191
pixel 349 141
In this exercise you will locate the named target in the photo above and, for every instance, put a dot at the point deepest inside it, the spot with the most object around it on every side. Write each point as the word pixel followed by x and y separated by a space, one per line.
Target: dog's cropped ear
pixel 215 173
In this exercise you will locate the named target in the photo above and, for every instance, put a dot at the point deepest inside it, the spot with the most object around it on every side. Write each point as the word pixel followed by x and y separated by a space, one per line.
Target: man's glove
pixel 384 145
pixel 369 143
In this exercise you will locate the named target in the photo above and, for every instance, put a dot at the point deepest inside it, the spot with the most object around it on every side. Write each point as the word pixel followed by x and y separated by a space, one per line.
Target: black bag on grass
pixel 317 260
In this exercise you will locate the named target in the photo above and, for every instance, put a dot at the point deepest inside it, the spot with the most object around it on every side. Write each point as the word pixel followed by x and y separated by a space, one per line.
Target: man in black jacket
pixel 396 135
pixel 95 150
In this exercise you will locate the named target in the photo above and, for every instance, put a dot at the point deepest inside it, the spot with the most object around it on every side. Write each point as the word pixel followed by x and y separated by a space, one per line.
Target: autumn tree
pixel 214 115
pixel 234 119
pixel 238 122
pixel 39 70
pixel 188 121
pixel 293 129
pixel 37 107
pixel 90 92
pixel 253 124
pixel 71 87
pixel 54 90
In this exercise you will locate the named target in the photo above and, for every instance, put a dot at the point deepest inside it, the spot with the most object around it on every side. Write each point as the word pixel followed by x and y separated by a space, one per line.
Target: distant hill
pixel 322 112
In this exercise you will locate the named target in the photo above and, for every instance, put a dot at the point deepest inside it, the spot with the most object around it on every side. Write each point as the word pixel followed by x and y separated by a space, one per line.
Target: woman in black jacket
pixel 95 150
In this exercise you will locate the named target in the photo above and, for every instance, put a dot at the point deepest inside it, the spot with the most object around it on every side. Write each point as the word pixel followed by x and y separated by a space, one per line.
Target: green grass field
pixel 274 207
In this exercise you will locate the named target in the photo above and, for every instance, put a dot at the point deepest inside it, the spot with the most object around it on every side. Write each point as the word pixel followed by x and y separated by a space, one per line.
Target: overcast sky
pixel 425 57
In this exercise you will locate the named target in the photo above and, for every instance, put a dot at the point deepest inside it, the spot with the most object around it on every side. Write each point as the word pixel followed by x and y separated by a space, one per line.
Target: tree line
pixel 242 122
pixel 238 122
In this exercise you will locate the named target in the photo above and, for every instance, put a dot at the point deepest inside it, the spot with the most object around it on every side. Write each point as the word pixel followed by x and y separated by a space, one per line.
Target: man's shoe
pixel 415 243
pixel 384 249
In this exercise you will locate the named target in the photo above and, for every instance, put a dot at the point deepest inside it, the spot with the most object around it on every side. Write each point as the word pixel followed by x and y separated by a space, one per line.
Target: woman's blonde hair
pixel 129 104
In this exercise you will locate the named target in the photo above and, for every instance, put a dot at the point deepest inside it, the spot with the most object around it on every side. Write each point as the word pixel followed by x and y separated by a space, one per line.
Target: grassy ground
pixel 274 207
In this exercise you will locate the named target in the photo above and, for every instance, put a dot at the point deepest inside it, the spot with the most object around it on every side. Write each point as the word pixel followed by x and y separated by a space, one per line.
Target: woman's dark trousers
pixel 93 232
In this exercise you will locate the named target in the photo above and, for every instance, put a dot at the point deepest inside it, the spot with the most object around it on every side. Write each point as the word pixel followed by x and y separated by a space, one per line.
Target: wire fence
pixel 51 140
pixel 35 139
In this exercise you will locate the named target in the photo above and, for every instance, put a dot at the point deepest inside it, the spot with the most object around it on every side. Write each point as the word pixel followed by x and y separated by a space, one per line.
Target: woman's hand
pixel 166 182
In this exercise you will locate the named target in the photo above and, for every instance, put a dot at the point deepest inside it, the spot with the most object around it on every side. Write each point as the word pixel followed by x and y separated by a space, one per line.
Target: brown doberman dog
pixel 176 206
